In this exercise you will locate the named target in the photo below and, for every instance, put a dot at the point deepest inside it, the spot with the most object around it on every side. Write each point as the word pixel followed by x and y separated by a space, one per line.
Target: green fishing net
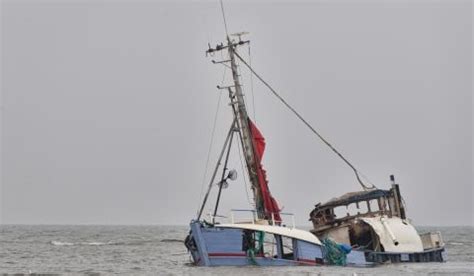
pixel 259 237
pixel 334 255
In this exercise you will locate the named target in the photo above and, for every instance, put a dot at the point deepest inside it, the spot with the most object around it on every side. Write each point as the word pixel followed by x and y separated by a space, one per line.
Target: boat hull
pixel 219 246
pixel 432 255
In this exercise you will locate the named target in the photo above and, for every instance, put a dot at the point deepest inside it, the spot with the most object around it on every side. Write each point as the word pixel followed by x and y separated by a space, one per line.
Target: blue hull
pixel 215 246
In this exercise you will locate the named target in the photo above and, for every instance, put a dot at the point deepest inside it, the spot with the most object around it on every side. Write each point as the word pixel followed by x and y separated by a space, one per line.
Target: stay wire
pixel 211 142
pixel 356 172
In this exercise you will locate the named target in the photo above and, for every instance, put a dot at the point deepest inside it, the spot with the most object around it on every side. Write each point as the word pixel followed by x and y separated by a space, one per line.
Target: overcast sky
pixel 108 106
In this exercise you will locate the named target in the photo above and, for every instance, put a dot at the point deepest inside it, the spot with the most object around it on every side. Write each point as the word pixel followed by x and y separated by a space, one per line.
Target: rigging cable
pixel 211 142
pixel 356 172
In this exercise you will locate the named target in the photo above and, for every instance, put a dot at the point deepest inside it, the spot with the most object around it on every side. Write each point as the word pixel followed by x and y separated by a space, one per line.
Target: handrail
pixel 271 222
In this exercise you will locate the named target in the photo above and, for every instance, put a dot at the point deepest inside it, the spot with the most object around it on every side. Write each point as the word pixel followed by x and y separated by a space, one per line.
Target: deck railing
pixel 255 220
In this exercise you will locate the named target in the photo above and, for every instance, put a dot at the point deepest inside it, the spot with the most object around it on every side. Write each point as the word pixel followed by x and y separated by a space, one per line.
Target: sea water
pixel 159 250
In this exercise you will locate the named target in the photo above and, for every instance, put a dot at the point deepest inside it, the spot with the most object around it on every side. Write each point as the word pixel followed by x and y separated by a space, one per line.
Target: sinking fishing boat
pixel 374 221
pixel 376 229
pixel 263 238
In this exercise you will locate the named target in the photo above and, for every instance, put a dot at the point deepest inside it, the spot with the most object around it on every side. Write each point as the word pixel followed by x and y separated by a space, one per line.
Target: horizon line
pixel 166 224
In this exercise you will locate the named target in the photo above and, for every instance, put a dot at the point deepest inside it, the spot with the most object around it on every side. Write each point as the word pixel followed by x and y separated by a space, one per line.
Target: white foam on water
pixel 58 243
pixel 93 243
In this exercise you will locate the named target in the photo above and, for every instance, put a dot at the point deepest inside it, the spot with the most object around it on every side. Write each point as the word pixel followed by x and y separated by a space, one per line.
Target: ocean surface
pixel 152 250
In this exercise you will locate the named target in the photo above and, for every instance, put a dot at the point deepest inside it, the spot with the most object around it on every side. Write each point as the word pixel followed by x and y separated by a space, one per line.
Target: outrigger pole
pixel 221 183
pixel 227 140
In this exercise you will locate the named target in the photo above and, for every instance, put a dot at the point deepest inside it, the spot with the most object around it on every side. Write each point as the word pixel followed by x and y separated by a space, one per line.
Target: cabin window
pixel 287 246
pixel 340 211
pixel 374 205
pixel 352 209
pixel 248 240
pixel 363 207
pixel 253 241
pixel 270 246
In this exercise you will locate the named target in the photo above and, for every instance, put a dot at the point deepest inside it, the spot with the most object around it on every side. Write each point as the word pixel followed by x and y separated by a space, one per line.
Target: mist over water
pixel 95 249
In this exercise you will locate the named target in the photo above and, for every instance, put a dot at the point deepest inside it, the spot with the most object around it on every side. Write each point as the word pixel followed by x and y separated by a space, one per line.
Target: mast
pixel 237 99
pixel 242 120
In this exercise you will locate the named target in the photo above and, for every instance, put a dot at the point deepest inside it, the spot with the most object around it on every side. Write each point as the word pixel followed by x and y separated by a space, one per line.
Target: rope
pixel 366 179
pixel 356 172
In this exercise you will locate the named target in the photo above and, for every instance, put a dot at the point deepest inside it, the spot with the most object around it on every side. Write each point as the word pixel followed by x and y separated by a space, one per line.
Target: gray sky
pixel 108 107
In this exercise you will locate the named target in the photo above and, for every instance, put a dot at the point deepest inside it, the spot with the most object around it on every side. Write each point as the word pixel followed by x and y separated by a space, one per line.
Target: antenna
pixel 223 16
pixel 239 35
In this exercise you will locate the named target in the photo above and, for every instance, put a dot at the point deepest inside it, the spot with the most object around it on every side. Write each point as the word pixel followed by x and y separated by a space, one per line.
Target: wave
pixel 95 243
pixel 58 243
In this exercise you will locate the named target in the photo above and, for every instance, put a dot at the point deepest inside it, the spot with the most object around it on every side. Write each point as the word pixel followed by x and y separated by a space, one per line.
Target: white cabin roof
pixel 278 230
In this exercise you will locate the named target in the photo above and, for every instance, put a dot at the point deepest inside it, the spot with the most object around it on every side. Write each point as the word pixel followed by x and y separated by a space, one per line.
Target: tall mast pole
pixel 242 120
pixel 243 125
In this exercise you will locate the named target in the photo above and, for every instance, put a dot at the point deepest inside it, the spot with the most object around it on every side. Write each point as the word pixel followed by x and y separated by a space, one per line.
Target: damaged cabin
pixel 374 221
pixel 337 218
